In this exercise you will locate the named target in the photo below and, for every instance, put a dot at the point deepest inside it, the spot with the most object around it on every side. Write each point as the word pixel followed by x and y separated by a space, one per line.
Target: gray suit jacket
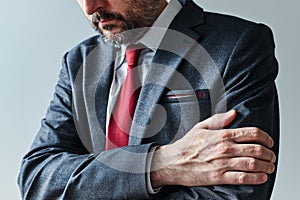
pixel 210 62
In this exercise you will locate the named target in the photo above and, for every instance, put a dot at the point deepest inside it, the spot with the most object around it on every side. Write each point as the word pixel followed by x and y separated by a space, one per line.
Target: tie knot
pixel 132 56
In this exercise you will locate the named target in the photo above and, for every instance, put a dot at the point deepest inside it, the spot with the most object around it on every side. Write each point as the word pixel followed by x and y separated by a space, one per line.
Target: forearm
pixel 54 173
pixel 172 186
pixel 227 164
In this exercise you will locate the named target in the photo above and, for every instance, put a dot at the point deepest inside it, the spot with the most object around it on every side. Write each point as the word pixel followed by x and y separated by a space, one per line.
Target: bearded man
pixel 166 102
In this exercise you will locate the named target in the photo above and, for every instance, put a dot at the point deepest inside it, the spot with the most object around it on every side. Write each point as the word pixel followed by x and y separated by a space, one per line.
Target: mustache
pixel 104 15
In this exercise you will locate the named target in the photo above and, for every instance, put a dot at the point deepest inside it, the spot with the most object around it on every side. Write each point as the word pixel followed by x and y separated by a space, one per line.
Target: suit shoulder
pixel 230 23
pixel 227 30
pixel 227 18
pixel 73 59
pixel 237 27
pixel 224 34
pixel 83 46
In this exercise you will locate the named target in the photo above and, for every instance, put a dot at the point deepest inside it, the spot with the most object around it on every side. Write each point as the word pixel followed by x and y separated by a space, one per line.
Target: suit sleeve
pixel 249 80
pixel 58 166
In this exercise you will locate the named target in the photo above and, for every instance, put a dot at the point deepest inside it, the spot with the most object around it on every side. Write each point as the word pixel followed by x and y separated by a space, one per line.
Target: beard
pixel 130 28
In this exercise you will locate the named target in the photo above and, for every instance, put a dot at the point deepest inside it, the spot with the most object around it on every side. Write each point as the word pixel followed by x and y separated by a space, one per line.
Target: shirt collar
pixel 155 34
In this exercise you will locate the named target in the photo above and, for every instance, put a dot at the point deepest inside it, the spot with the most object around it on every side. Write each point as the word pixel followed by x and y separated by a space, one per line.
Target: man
pixel 202 64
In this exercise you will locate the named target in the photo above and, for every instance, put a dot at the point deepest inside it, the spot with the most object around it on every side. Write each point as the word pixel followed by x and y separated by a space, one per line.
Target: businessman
pixel 166 102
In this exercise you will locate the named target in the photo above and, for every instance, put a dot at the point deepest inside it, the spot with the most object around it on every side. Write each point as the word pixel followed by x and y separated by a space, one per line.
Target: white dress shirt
pixel 151 40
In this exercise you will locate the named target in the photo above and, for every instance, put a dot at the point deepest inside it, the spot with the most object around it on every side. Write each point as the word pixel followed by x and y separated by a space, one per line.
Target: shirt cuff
pixel 150 189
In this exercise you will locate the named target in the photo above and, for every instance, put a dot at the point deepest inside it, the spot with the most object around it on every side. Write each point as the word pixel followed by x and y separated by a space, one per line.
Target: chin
pixel 115 39
pixel 120 37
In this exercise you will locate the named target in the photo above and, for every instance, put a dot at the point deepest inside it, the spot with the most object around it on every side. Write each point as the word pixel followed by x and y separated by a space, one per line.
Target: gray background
pixel 35 34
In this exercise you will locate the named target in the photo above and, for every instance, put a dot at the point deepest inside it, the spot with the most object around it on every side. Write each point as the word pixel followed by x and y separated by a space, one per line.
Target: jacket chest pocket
pixel 179 111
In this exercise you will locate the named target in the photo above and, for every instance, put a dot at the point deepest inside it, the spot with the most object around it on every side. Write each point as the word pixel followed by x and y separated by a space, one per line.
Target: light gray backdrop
pixel 35 34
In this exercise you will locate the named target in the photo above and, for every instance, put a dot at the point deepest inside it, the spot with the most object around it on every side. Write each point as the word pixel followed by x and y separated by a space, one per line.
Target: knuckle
pixel 255 132
pixel 226 135
pixel 251 164
pixel 223 148
pixel 198 126
pixel 258 151
pixel 216 176
pixel 257 178
pixel 221 165
pixel 242 178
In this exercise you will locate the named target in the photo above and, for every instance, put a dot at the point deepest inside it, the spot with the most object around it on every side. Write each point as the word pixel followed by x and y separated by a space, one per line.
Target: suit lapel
pixel 92 86
pixel 189 18
pixel 177 42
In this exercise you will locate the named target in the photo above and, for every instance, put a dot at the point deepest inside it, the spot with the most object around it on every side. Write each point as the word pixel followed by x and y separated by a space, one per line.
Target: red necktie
pixel 122 115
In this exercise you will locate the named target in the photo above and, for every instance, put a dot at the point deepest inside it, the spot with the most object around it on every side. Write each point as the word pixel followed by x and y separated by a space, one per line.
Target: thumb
pixel 218 121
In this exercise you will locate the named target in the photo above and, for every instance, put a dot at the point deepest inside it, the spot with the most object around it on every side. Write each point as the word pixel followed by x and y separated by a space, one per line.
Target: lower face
pixel 113 26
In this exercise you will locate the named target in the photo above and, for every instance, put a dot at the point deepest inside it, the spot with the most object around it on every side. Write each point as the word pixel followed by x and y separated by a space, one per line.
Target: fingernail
pixel 274 159
pixel 273 168
pixel 271 143
pixel 264 178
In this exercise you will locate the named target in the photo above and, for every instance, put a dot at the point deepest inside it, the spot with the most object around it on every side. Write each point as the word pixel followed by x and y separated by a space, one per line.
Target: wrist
pixel 162 167
pixel 155 169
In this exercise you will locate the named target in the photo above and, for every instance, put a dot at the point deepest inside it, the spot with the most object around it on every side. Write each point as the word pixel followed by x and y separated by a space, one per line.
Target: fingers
pixel 239 135
pixel 227 150
pixel 240 156
pixel 246 142
pixel 243 178
pixel 249 165
pixel 240 171
pixel 243 171
pixel 218 121
pixel 245 135
pixel 255 151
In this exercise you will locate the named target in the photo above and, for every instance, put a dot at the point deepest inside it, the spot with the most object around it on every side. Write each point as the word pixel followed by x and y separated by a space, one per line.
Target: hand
pixel 208 155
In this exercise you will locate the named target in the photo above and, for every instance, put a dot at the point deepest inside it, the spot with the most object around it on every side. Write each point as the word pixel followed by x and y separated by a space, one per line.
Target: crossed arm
pixel 208 159
pixel 208 155
pixel 231 163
